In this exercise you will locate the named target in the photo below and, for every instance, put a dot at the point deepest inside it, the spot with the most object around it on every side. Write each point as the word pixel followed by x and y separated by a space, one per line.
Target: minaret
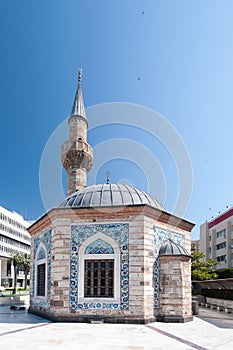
pixel 77 154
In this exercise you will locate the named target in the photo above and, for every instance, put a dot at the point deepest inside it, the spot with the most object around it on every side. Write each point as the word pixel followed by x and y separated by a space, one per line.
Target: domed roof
pixel 109 195
pixel 171 248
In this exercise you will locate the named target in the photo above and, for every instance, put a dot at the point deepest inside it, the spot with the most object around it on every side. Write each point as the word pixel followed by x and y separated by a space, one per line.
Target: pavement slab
pixel 23 331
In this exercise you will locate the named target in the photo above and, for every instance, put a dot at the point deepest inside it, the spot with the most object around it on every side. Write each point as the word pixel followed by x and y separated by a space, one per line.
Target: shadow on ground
pixel 18 317
pixel 219 319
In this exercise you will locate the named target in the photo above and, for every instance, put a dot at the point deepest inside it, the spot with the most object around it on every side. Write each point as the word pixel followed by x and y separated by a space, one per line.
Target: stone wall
pixel 60 266
pixel 77 128
pixel 220 304
pixel 141 269
pixel 175 300
pixel 141 265
pixel 140 279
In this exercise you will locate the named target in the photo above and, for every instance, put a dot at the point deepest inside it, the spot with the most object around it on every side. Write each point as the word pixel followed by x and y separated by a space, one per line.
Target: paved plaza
pixel 21 331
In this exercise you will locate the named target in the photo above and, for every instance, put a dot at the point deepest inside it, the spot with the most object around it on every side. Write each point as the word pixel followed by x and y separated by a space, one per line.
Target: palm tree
pixel 16 260
pixel 25 262
pixel 20 260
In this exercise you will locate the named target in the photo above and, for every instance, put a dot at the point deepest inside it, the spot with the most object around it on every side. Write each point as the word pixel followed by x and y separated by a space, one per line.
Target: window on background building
pixel 99 278
pixel 222 258
pixel 21 271
pixel 8 268
pixel 221 233
pixel 221 245
pixel 209 237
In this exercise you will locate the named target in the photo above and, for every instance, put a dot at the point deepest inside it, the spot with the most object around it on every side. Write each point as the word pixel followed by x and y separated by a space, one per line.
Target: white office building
pixel 216 239
pixel 14 238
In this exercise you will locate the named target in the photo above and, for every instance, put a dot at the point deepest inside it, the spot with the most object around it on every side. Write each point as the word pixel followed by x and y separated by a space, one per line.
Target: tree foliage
pixel 20 260
pixel 25 263
pixel 202 269
pixel 225 273
pixel 15 259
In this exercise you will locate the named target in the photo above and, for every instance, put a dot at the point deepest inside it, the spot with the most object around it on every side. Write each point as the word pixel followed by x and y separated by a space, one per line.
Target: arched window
pixel 41 272
pixel 99 270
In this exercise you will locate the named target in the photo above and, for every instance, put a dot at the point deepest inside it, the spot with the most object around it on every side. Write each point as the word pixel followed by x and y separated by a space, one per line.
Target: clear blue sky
pixel 183 53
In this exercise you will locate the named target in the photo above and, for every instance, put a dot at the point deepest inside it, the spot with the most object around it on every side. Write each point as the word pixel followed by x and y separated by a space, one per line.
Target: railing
pixel 77 145
pixel 226 294
pixel 220 288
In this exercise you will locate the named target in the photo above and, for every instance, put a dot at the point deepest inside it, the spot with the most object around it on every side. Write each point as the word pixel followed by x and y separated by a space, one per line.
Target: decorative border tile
pixel 161 235
pixel 46 240
pixel 41 254
pixel 118 232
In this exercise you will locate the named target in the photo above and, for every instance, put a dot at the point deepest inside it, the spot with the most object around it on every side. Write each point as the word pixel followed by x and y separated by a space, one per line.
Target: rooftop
pixel 106 195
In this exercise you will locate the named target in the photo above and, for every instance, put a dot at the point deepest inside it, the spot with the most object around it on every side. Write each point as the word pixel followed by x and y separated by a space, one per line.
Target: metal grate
pixel 99 278
pixel 40 280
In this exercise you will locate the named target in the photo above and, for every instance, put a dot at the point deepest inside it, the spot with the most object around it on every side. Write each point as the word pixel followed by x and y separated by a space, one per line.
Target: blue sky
pixel 181 50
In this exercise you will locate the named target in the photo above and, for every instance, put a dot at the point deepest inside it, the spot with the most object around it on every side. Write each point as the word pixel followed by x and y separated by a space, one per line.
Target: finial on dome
pixel 108 174
pixel 79 76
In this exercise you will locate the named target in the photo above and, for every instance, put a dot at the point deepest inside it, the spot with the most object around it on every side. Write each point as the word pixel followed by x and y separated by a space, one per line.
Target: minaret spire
pixel 78 105
pixel 77 154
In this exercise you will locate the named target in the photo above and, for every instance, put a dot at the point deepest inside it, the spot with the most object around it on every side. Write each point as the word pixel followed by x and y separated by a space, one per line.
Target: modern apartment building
pixel 14 238
pixel 216 239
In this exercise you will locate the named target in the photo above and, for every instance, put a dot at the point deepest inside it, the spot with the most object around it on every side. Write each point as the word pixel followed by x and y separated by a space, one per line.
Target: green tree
pixel 18 260
pixel 202 269
pixel 225 273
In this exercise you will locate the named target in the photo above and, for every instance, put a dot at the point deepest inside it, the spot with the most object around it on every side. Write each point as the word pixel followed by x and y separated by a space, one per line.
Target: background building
pixel 14 238
pixel 195 246
pixel 216 239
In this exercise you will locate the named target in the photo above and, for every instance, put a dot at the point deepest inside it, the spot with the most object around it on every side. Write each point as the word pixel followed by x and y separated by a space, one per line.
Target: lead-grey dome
pixel 107 195
pixel 171 248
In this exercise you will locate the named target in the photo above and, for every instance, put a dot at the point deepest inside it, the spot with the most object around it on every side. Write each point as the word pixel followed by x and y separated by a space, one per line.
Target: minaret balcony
pixel 76 145
pixel 77 154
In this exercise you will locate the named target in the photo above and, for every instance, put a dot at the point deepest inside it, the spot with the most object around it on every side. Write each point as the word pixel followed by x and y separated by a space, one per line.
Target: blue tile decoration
pixel 46 240
pixel 161 235
pixel 42 254
pixel 99 247
pixel 120 233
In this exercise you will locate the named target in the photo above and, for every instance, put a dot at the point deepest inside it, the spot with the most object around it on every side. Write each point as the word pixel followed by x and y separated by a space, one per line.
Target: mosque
pixel 109 252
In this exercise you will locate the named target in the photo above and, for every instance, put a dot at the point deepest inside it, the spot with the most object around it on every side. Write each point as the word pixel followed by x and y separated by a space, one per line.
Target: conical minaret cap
pixel 78 106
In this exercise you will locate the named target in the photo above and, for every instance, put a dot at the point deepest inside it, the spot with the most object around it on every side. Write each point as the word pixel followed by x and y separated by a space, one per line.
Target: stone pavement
pixel 22 331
